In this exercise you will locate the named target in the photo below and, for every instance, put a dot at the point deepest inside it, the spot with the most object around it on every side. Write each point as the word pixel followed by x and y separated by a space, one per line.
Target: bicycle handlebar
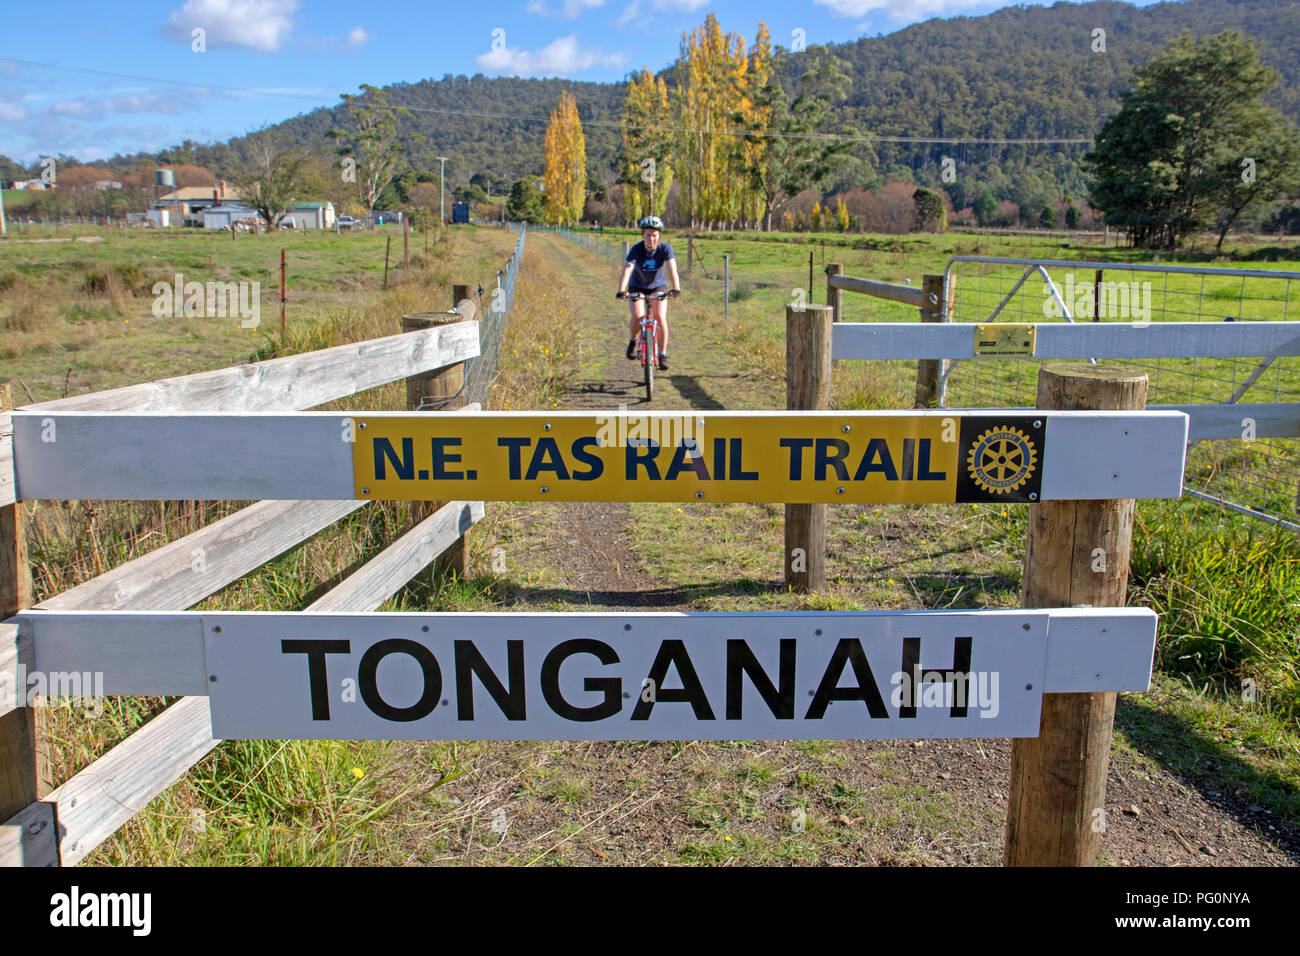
pixel 641 295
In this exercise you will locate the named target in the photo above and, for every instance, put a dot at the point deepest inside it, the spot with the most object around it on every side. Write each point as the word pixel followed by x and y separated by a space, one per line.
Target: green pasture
pixel 76 304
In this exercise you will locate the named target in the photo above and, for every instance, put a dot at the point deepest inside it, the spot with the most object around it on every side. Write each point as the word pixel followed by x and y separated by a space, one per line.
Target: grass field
pixel 77 310
pixel 1227 589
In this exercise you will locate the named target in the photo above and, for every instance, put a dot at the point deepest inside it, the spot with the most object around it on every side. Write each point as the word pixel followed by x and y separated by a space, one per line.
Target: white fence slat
pixel 145 654
pixel 141 655
pixel 1209 422
pixel 1093 649
pixel 1085 459
pixel 143 457
pixel 1070 340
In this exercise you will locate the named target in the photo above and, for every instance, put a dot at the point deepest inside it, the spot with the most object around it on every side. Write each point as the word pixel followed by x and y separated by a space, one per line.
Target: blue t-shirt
pixel 648 269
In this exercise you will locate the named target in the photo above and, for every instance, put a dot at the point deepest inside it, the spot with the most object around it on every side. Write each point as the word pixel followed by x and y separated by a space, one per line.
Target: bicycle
pixel 648 343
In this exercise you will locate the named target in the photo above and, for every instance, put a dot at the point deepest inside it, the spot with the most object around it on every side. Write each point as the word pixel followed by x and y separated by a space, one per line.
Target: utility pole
pixel 442 192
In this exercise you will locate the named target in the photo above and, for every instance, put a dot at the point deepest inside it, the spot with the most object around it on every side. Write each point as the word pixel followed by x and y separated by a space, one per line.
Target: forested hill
pixel 490 125
pixel 1018 72
pixel 1031 72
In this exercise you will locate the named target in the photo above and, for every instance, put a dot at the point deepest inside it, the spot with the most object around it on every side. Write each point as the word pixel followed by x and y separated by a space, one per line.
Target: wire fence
pixel 1256 476
pixel 597 243
pixel 481 371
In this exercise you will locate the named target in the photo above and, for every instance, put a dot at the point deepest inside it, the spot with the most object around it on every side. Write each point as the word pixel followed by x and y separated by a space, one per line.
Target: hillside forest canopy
pixel 880 134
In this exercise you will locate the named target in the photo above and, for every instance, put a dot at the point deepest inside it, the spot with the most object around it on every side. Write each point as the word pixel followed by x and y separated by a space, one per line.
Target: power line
pixel 154 79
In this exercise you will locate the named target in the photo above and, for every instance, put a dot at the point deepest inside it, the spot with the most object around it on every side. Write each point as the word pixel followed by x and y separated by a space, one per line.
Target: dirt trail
pixel 595 550
pixel 875 802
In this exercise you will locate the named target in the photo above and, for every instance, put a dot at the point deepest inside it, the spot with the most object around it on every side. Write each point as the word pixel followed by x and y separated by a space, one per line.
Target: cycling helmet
pixel 651 222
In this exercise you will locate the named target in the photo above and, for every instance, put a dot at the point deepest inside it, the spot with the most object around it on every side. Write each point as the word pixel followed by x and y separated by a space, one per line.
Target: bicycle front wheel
pixel 648 349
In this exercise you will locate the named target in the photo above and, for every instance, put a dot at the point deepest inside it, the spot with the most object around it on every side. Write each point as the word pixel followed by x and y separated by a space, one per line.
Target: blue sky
pixel 91 79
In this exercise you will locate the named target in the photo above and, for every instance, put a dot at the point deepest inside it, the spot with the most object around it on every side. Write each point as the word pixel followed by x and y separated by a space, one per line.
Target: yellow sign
pixel 1005 338
pixel 777 457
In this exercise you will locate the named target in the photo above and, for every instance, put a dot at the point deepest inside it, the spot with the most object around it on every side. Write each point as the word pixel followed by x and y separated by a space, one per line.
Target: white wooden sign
pixel 615 676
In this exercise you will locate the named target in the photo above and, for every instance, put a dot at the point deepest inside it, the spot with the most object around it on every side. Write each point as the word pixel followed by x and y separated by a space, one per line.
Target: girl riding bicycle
pixel 643 272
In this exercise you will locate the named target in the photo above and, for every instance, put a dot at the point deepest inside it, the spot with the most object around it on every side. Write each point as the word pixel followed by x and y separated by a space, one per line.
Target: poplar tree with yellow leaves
pixel 565 176
pixel 713 80
pixel 739 149
pixel 647 146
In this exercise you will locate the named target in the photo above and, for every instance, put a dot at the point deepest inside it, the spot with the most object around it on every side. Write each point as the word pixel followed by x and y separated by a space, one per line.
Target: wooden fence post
pixel 726 289
pixel 936 308
pixel 282 295
pixel 440 390
pixel 1077 553
pixel 20 764
pixel 834 297
pixel 807 388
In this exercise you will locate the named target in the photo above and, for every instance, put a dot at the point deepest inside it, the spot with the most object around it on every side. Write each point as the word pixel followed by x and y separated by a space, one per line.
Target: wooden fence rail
pixel 934 301
pixel 289 383
pixel 63 826
pixel 906 294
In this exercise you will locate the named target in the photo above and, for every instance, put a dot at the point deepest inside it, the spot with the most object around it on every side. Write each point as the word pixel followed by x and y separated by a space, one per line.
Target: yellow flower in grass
pixel 358 772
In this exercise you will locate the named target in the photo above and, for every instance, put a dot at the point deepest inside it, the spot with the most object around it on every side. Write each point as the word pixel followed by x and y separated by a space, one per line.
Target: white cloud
pixel 11 112
pixel 354 39
pixel 686 5
pixel 559 58
pixel 898 9
pixel 629 13
pixel 102 106
pixel 255 24
pixel 569 9
pixel 72 108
